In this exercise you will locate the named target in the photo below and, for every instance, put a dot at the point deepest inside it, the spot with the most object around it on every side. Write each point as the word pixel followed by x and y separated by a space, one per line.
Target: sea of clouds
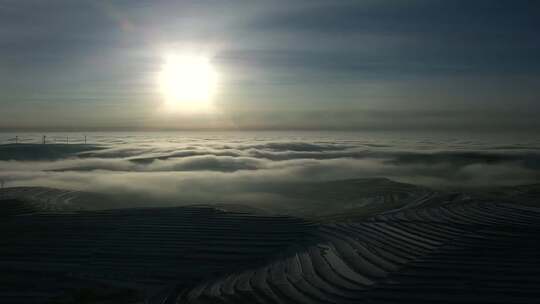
pixel 203 167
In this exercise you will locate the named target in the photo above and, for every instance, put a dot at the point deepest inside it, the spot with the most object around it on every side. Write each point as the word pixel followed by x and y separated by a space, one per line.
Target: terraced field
pixel 44 256
pixel 46 199
pixel 50 199
pixel 344 199
pixel 422 247
pixel 462 251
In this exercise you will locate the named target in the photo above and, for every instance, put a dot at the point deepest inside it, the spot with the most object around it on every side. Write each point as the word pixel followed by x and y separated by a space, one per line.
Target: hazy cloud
pixel 221 170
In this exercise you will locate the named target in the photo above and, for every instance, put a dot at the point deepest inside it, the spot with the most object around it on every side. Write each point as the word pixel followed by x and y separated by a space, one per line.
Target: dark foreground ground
pixel 413 246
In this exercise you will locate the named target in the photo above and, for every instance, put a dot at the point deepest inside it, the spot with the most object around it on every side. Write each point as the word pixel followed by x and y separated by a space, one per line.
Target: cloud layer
pixel 256 169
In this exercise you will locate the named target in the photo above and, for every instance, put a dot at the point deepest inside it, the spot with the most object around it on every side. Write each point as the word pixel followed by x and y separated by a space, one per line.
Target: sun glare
pixel 188 83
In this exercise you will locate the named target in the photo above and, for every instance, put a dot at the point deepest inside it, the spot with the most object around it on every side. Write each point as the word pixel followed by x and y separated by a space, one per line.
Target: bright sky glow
pixel 188 83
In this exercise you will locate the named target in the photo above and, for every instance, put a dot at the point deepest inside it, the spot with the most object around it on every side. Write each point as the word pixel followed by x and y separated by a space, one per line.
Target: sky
pixel 310 65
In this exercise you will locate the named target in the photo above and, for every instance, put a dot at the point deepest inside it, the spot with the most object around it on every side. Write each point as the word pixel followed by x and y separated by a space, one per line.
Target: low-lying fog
pixel 203 167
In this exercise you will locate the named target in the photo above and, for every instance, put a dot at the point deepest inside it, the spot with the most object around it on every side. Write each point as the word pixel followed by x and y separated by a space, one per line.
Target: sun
pixel 188 83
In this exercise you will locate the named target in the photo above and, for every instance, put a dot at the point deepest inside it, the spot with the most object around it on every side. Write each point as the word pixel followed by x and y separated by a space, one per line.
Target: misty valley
pixel 268 218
